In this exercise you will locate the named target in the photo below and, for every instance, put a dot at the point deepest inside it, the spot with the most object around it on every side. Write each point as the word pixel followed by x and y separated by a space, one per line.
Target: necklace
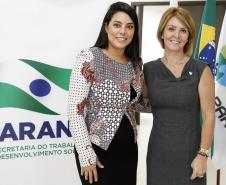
pixel 177 63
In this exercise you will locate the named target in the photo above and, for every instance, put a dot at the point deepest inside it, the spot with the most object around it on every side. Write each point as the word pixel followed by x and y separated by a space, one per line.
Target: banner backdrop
pixel 39 41
pixel 219 157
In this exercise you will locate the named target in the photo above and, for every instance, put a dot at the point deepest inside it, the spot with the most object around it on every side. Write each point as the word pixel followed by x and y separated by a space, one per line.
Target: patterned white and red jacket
pixel 99 96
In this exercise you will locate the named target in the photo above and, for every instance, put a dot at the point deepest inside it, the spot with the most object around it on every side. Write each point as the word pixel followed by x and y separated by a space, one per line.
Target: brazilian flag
pixel 205 46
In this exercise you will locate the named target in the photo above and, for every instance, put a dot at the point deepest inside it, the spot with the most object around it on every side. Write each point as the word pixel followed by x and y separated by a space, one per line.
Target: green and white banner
pixel 39 42
pixel 33 86
pixel 219 155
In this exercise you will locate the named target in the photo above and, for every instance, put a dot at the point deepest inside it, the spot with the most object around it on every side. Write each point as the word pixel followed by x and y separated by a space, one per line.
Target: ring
pixel 201 176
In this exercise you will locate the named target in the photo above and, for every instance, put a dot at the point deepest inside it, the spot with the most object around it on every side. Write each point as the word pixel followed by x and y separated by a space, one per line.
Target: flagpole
pixel 218 177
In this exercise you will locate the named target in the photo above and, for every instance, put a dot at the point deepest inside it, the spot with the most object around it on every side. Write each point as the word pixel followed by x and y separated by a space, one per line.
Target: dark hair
pixel 132 50
pixel 186 19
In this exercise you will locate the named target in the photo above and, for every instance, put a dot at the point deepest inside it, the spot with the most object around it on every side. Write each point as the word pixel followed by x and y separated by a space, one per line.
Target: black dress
pixel 176 132
pixel 120 160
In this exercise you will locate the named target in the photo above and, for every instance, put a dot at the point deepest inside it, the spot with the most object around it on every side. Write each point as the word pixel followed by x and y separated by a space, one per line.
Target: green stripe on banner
pixel 12 96
pixel 58 76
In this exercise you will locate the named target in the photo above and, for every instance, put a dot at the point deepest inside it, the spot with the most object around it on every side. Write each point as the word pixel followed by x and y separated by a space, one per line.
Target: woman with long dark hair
pixel 106 82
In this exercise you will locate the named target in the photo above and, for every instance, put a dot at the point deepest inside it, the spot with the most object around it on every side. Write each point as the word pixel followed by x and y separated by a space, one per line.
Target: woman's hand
pixel 90 172
pixel 199 166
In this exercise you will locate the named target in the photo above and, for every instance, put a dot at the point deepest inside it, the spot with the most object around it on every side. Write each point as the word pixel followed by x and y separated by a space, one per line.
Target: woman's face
pixel 175 35
pixel 120 31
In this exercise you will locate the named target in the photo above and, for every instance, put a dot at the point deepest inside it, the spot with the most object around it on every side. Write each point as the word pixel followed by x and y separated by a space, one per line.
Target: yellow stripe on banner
pixel 207 35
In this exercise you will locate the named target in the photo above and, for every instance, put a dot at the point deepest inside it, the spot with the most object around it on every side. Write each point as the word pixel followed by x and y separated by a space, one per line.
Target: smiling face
pixel 120 31
pixel 175 35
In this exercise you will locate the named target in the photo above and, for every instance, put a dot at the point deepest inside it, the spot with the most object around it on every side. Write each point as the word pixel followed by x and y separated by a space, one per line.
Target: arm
pixel 145 90
pixel 143 104
pixel 207 101
pixel 78 92
pixel 80 82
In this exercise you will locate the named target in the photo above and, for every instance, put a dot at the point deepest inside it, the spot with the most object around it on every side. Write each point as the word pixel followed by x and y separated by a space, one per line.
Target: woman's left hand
pixel 199 166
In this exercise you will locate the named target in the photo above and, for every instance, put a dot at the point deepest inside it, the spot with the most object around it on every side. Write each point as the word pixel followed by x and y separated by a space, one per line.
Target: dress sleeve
pixel 80 82
pixel 200 67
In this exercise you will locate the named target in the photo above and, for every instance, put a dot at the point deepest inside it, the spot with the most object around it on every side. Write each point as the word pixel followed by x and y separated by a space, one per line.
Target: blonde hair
pixel 186 19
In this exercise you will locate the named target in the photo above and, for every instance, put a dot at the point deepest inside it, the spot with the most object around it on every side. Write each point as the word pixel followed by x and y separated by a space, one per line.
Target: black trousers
pixel 120 160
